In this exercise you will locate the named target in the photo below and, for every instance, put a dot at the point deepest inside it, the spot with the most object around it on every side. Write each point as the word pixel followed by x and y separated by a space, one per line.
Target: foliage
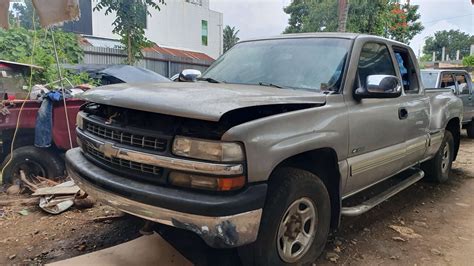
pixel 298 9
pixel 453 40
pixel 230 37
pixel 21 15
pixel 16 44
pixel 130 23
pixel 378 17
pixel 403 24
pixel 468 61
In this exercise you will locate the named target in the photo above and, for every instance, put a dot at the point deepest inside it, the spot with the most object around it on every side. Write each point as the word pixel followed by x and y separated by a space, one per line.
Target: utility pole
pixel 343 9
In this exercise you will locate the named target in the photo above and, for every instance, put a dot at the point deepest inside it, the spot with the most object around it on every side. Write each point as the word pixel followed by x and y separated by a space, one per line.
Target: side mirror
pixel 189 75
pixel 380 86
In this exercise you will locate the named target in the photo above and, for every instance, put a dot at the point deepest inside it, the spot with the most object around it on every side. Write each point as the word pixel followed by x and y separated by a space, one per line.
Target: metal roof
pixel 19 64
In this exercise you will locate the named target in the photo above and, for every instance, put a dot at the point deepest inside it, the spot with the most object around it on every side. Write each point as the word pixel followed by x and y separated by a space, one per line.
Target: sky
pixel 258 18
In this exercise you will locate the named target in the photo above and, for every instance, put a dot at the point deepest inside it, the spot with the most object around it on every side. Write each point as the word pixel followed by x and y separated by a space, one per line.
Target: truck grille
pixel 121 164
pixel 127 138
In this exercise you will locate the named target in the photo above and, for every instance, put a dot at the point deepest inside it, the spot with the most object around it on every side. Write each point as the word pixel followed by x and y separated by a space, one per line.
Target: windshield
pixel 429 79
pixel 306 63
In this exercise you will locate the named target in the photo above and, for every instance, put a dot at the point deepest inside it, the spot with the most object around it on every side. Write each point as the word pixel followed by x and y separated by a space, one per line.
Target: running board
pixel 376 200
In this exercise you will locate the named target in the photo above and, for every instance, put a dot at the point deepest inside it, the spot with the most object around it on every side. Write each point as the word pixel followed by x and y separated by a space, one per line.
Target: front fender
pixel 269 141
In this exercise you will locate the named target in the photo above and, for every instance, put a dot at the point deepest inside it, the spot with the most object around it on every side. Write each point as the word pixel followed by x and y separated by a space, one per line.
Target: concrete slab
pixel 145 250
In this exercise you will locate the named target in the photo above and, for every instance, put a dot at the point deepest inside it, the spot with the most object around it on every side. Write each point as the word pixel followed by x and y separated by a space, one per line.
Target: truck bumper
pixel 209 216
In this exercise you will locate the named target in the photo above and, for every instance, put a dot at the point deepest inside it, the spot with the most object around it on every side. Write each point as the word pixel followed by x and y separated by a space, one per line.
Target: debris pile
pixel 52 196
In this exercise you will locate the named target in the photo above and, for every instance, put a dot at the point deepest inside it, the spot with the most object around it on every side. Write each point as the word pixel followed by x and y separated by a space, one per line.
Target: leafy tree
pixel 16 44
pixel 230 37
pixel 453 40
pixel 22 15
pixel 298 9
pixel 403 24
pixel 378 17
pixel 130 23
pixel 468 61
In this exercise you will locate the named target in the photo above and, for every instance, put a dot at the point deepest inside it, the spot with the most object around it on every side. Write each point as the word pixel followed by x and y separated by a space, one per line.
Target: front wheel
pixel 437 169
pixel 295 222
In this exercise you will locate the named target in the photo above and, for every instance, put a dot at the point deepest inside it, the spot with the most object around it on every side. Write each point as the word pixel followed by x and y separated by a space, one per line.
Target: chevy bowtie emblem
pixel 108 150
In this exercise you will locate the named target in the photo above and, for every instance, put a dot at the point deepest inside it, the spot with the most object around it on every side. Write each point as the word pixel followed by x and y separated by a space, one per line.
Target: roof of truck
pixel 437 70
pixel 342 35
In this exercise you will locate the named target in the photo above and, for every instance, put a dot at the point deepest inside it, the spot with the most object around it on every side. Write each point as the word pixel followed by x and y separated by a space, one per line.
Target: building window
pixel 195 2
pixel 204 32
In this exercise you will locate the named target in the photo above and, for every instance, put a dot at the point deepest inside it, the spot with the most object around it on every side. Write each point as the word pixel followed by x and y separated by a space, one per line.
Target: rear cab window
pixel 407 70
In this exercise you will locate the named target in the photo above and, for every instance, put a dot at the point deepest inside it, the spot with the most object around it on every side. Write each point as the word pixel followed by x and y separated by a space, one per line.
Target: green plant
pixel 16 44
pixel 452 40
pixel 379 17
pixel 130 23
pixel 468 61
pixel 230 37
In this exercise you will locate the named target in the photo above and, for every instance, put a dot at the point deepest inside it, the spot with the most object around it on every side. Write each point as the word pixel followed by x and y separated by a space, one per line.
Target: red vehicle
pixel 47 162
pixel 34 161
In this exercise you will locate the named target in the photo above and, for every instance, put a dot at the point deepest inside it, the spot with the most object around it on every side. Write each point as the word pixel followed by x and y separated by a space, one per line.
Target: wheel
pixel 470 130
pixel 437 169
pixel 34 162
pixel 295 222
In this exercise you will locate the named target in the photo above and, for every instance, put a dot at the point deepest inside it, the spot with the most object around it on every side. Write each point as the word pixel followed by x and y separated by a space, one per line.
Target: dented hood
pixel 199 100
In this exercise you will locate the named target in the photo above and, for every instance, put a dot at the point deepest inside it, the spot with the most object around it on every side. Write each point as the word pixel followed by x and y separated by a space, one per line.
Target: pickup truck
pixel 265 149
pixel 461 83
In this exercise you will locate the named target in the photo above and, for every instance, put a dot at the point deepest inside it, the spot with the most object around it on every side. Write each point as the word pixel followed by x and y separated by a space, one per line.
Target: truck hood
pixel 198 100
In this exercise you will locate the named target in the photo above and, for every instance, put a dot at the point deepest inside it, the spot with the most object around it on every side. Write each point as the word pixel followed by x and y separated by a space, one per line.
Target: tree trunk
pixel 129 50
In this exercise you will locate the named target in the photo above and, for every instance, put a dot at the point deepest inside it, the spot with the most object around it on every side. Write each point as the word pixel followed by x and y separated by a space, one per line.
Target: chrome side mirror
pixel 189 75
pixel 380 86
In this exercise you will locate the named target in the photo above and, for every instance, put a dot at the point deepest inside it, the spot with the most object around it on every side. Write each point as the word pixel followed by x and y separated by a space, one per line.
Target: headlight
pixel 79 121
pixel 208 150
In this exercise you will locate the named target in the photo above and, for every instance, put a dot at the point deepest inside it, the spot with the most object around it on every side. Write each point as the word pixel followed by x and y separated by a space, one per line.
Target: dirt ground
pixel 439 218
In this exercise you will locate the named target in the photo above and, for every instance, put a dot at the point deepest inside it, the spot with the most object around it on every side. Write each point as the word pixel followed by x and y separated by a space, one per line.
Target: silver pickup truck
pixel 265 149
pixel 460 82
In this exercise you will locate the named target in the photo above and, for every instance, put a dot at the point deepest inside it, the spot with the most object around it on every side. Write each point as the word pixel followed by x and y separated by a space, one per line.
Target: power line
pixel 428 22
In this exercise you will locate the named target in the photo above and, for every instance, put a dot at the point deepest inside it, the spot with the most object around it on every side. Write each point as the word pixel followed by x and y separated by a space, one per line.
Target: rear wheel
pixel 437 169
pixel 33 161
pixel 295 221
pixel 470 130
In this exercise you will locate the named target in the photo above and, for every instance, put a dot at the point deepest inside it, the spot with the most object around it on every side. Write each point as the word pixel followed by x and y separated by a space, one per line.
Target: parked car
pixel 461 83
pixel 265 149
pixel 49 162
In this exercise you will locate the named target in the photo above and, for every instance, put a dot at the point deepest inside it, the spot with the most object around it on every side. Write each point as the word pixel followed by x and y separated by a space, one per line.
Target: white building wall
pixel 176 25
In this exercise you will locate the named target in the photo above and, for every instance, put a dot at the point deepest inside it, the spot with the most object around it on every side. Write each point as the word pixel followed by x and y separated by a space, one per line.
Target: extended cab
pixel 267 146
pixel 461 83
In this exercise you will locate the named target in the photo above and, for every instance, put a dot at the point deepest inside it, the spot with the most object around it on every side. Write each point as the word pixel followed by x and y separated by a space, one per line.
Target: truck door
pixel 465 93
pixel 376 132
pixel 416 105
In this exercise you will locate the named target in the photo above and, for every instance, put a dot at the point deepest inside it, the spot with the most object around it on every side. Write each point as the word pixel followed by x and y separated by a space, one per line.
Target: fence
pixel 166 65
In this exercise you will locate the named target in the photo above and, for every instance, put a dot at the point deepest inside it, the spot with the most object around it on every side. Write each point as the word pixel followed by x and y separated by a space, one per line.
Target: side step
pixel 377 199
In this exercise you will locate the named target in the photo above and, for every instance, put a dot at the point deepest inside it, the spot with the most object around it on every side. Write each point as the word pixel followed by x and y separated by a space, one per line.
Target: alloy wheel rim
pixel 297 230
pixel 445 158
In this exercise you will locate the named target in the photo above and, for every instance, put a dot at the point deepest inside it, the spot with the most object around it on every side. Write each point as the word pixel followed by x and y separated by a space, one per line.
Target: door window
pixel 462 84
pixel 447 82
pixel 407 70
pixel 374 60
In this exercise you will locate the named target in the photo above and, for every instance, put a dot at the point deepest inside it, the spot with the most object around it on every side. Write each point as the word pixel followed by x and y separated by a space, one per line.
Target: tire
pixel 470 130
pixel 290 187
pixel 34 161
pixel 437 169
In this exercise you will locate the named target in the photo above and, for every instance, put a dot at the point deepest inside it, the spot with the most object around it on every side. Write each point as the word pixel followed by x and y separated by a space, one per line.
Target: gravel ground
pixel 439 218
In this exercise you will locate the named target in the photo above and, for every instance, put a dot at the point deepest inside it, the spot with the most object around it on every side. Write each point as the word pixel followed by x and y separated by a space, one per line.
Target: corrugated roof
pixel 178 53
pixel 111 43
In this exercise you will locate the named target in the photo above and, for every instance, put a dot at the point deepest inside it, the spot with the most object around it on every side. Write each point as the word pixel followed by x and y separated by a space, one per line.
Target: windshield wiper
pixel 267 84
pixel 210 80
